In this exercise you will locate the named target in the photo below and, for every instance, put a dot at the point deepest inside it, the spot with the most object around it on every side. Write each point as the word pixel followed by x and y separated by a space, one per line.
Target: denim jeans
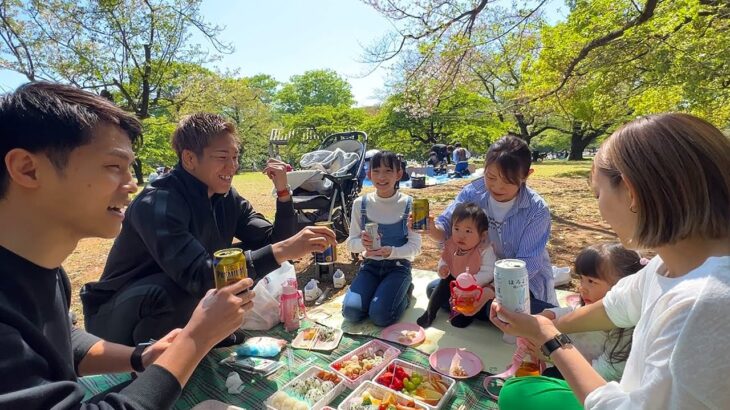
pixel 379 291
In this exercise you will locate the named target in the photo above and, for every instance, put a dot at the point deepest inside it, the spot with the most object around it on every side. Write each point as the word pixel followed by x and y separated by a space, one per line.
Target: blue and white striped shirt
pixel 524 233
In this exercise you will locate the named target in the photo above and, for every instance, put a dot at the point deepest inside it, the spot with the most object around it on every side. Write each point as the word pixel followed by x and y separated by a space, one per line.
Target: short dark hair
pixel 195 132
pixel 385 159
pixel 55 119
pixel 471 211
pixel 512 156
pixel 607 261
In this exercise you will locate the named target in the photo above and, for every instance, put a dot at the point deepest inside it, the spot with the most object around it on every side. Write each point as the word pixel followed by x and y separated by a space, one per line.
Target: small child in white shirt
pixel 600 267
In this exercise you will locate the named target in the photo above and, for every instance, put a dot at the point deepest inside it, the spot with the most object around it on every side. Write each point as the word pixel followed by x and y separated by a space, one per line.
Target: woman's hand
pixel 444 272
pixel 536 328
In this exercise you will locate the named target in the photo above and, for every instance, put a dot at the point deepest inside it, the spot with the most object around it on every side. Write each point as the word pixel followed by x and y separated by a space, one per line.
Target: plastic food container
pixel 388 352
pixel 308 374
pixel 378 392
pixel 411 368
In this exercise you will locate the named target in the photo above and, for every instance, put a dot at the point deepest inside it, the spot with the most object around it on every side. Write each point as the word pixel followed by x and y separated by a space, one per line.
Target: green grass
pixel 248 183
pixel 561 169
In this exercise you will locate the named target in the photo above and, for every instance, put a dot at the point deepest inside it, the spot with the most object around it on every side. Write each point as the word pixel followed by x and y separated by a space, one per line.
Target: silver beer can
pixel 512 285
pixel 372 229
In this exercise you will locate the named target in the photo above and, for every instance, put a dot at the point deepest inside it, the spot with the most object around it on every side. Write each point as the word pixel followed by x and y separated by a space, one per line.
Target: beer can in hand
pixel 329 255
pixel 420 214
pixel 372 229
pixel 512 286
pixel 229 267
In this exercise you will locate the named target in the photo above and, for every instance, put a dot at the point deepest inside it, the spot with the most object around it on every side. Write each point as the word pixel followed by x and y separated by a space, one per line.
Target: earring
pixel 631 208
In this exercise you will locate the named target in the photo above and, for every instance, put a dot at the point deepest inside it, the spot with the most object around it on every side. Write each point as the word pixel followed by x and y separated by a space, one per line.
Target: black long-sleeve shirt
pixel 41 350
pixel 172 226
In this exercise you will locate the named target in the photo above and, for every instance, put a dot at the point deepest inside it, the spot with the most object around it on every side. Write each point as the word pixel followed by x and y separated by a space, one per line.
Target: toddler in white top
pixel 600 267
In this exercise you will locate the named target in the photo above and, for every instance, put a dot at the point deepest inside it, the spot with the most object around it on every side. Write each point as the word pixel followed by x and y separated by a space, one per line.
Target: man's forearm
pixel 106 357
pixel 585 319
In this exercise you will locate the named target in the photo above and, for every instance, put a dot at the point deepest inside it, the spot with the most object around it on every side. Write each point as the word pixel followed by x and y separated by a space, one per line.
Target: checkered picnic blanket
pixel 208 380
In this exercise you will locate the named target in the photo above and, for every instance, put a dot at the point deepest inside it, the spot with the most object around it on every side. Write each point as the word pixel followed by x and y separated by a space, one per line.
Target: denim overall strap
pixel 363 212
pixel 407 211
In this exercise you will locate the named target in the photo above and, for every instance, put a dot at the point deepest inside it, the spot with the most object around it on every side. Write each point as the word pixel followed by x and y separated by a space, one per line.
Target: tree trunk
pixel 576 147
pixel 522 124
pixel 137 167
pixel 577 142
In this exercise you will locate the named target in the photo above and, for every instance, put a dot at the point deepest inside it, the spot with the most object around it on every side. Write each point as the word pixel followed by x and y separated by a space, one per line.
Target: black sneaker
pixel 425 320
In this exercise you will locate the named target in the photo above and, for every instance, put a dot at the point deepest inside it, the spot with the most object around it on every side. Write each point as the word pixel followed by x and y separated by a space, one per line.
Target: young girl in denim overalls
pixel 382 285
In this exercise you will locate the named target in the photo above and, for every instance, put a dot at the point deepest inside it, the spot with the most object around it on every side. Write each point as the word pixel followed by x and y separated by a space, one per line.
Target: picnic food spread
pixel 304 393
pixel 407 336
pixel 355 365
pixel 374 400
pixel 428 388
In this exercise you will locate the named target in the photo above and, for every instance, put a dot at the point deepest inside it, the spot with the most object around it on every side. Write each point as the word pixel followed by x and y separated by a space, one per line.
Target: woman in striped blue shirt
pixel 519 219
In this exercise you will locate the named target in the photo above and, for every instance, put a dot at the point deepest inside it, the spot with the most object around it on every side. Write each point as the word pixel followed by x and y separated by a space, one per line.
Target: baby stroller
pixel 333 199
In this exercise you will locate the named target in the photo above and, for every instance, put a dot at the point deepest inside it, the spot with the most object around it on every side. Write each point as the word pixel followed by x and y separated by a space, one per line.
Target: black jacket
pixel 41 350
pixel 172 226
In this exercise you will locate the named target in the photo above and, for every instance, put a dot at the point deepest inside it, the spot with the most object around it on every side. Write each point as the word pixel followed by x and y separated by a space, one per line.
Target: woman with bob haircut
pixel 663 183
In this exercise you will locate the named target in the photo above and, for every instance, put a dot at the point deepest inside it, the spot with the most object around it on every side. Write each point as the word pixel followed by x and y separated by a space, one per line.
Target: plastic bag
pixel 275 280
pixel 265 313
pixel 266 306
pixel 261 347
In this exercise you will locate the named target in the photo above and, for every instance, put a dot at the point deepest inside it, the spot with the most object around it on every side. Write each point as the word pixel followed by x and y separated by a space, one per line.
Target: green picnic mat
pixel 208 380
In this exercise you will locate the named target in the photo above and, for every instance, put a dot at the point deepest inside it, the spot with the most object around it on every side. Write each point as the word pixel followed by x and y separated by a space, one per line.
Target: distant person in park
pixel 519 219
pixel 153 176
pixel 663 183
pixel 403 165
pixel 443 153
pixel 161 264
pixel 64 176
pixel 460 153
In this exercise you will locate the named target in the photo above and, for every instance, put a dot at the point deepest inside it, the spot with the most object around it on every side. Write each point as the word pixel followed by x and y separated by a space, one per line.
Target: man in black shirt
pixel 162 262
pixel 64 175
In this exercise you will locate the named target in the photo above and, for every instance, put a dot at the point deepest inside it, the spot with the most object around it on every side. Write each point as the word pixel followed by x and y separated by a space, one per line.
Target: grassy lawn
pixel 256 187
pixel 561 169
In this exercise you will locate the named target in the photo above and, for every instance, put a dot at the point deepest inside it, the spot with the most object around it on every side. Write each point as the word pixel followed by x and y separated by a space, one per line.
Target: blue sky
pixel 287 37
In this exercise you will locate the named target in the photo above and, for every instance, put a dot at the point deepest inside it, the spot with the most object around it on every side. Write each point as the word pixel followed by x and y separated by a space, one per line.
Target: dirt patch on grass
pixel 575 217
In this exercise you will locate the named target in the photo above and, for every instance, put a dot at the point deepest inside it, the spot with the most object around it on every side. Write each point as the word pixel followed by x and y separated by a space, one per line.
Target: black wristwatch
pixel 555 343
pixel 136 358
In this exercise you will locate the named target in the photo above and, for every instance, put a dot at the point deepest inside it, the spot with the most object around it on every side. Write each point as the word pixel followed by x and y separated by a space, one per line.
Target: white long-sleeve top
pixel 383 211
pixel 592 345
pixel 679 357
pixel 485 275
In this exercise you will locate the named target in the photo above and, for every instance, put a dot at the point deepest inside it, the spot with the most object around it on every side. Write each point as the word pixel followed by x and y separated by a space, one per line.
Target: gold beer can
pixel 329 255
pixel 230 267
pixel 420 214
